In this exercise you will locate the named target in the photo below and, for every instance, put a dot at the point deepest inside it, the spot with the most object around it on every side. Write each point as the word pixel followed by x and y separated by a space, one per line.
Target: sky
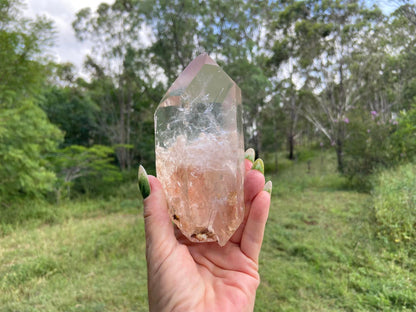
pixel 62 13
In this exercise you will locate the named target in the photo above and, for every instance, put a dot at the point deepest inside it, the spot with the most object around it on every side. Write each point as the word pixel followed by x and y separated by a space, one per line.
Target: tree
pixel 68 106
pixel 273 123
pixel 175 27
pixel 22 65
pixel 323 36
pixel 26 135
pixel 250 77
pixel 402 65
pixel 122 83
pixel 74 162
pixel 126 64
pixel 404 139
pixel 230 31
pixel 378 134
pixel 408 10
pixel 284 59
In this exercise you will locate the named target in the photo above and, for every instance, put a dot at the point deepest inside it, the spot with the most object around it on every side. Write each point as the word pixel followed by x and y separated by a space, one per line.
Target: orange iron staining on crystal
pixel 200 152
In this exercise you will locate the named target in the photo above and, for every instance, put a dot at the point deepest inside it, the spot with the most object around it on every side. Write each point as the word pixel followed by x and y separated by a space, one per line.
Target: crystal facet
pixel 200 152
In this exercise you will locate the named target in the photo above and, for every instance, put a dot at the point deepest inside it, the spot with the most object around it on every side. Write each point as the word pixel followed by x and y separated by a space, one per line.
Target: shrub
pixel 377 141
pixel 404 139
pixel 394 198
pixel 368 147
pixel 88 168
pixel 26 136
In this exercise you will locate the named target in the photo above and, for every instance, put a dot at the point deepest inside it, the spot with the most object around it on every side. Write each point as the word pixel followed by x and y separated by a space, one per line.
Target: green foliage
pixel 253 83
pixel 375 143
pixel 394 198
pixel 175 45
pixel 26 136
pixel 74 113
pixel 368 147
pixel 127 95
pixel 273 122
pixel 316 37
pixel 125 114
pixel 22 44
pixel 404 139
pixel 75 162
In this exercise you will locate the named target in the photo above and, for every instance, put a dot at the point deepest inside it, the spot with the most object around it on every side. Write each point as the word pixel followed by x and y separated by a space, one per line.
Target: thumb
pixel 160 237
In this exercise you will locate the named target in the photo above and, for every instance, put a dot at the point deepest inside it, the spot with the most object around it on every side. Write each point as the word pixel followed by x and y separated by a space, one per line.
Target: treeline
pixel 338 74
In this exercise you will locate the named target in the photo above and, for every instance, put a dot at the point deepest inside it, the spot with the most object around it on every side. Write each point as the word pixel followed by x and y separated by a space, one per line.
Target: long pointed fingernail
pixel 258 165
pixel 250 154
pixel 268 187
pixel 144 185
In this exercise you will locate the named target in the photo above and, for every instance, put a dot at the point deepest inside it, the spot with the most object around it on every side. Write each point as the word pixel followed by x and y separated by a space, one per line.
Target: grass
pixel 395 203
pixel 321 251
pixel 94 264
pixel 80 256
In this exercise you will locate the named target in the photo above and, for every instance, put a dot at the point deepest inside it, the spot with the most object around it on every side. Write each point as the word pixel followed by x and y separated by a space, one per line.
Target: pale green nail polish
pixel 268 187
pixel 250 154
pixel 258 165
pixel 144 185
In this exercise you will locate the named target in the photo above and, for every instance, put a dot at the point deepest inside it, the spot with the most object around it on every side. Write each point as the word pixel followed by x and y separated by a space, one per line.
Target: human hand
pixel 187 276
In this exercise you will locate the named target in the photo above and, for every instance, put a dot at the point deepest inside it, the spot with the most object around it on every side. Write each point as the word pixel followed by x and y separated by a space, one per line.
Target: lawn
pixel 321 252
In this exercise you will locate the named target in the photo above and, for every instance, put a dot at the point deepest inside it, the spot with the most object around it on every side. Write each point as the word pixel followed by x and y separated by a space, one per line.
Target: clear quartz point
pixel 200 152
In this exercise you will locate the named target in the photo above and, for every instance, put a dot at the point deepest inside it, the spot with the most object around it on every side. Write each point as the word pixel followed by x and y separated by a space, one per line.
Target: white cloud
pixel 62 12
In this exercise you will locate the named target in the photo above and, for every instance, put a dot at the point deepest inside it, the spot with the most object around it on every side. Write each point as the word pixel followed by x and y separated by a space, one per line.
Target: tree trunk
pixel 257 141
pixel 292 130
pixel 128 126
pixel 121 151
pixel 340 155
pixel 291 145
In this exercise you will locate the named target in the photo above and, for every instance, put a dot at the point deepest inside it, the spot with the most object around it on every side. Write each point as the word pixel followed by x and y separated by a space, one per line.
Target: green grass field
pixel 321 252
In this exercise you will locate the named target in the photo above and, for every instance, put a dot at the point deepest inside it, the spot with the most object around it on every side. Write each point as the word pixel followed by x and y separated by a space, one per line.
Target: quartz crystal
pixel 200 152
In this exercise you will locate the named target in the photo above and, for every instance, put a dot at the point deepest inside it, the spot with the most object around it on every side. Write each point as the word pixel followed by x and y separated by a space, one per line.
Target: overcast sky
pixel 62 12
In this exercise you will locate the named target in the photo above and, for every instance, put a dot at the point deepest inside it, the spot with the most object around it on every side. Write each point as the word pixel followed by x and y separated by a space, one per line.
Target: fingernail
pixel 250 154
pixel 144 185
pixel 268 187
pixel 258 165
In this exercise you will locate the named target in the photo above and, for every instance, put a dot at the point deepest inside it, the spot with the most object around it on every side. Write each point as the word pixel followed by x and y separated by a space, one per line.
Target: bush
pixel 88 168
pixel 368 147
pixel 394 197
pixel 404 139
pixel 26 136
pixel 376 142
